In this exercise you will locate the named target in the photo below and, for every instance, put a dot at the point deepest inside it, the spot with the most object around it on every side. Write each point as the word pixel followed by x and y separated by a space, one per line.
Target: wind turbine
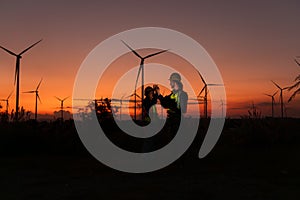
pixel 17 74
pixel 121 104
pixel 62 106
pixel 273 101
pixel 281 95
pixel 222 105
pixel 141 69
pixel 205 90
pixel 37 97
pixel 135 96
pixel 6 100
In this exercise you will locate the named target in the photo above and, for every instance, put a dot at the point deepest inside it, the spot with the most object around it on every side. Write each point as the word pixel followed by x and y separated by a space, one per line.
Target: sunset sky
pixel 252 42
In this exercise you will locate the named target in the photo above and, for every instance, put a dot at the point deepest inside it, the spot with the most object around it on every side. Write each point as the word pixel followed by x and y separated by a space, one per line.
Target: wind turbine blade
pixel 58 98
pixel 213 84
pixel 8 51
pixel 202 78
pixel 39 84
pixel 268 95
pixel 29 91
pixel 137 95
pixel 134 94
pixel 115 100
pixel 9 95
pixel 201 90
pixel 286 88
pixel 30 47
pixel 38 96
pixel 275 93
pixel 276 85
pixel 297 62
pixel 65 98
pixel 294 94
pixel 154 54
pixel 138 55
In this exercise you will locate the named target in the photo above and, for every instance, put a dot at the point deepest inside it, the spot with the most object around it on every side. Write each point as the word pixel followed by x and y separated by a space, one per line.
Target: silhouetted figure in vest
pixel 175 103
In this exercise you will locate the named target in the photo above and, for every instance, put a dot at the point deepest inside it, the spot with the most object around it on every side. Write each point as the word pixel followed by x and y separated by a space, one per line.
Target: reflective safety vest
pixel 176 98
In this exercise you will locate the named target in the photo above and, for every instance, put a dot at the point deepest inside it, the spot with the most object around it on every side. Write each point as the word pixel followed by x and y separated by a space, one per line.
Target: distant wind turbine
pixel 7 102
pixel 141 69
pixel 273 101
pixel 205 90
pixel 121 104
pixel 17 74
pixel 281 96
pixel 135 95
pixel 37 97
pixel 222 105
pixel 62 106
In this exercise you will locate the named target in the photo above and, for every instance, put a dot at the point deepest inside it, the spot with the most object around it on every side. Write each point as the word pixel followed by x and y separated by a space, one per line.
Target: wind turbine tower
pixel 17 74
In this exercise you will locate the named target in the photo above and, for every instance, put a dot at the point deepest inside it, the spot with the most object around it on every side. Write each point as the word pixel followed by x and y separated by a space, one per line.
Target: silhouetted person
pixel 150 115
pixel 149 102
pixel 175 103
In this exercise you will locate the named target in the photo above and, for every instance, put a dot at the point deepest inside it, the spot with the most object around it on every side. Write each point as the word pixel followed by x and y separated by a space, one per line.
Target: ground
pixel 253 168
pixel 256 174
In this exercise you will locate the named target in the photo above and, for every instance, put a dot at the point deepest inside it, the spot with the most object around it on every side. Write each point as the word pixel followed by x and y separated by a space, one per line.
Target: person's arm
pixel 164 101
pixel 155 97
pixel 160 97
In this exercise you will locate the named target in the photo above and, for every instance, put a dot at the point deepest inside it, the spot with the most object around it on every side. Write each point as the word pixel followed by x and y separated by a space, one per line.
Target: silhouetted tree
pixel 103 108
pixel 4 117
pixel 253 113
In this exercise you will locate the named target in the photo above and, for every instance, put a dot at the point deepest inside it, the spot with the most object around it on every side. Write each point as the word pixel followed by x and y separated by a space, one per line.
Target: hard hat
pixel 175 77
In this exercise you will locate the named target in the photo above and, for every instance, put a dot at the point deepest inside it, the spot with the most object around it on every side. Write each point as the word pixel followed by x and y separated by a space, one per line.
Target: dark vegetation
pixel 255 158
pixel 59 137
